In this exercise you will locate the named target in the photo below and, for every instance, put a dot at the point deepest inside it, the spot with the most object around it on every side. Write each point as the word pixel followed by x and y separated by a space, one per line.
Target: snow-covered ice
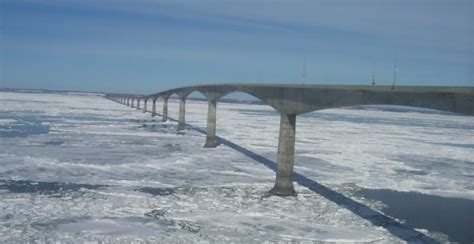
pixel 76 167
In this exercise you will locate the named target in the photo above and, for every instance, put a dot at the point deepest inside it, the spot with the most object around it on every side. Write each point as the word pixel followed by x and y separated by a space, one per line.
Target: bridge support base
pixel 211 124
pixel 285 159
pixel 182 114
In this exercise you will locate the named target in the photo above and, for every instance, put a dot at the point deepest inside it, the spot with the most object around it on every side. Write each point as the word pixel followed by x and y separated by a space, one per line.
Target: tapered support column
pixel 128 102
pixel 145 105
pixel 133 103
pixel 286 155
pixel 153 108
pixel 138 104
pixel 165 110
pixel 211 124
pixel 182 114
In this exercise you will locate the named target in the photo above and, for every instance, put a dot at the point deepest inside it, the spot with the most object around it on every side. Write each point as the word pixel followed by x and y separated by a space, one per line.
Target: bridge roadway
pixel 292 100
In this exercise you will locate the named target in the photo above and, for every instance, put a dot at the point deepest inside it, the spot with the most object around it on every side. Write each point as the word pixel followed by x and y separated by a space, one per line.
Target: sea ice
pixel 101 171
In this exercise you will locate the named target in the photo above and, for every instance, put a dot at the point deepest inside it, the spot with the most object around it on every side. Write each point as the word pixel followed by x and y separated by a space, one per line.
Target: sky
pixel 146 46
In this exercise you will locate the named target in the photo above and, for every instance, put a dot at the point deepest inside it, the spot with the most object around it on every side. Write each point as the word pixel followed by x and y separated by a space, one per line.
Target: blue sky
pixel 144 46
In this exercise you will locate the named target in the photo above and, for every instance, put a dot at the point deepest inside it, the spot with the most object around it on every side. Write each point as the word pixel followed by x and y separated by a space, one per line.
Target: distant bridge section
pixel 292 100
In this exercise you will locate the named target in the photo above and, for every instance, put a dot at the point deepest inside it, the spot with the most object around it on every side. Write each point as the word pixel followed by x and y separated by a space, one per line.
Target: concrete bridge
pixel 292 100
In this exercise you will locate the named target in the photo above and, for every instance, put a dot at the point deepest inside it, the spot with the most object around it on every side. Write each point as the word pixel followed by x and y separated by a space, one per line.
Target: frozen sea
pixel 81 168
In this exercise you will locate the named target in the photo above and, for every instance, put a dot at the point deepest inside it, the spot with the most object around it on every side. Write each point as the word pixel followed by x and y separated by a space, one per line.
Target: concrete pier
pixel 153 107
pixel 132 102
pixel 138 103
pixel 165 110
pixel 286 154
pixel 211 123
pixel 182 114
pixel 145 103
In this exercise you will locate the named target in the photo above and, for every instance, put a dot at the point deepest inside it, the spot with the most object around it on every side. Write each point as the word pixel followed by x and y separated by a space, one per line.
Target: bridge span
pixel 292 100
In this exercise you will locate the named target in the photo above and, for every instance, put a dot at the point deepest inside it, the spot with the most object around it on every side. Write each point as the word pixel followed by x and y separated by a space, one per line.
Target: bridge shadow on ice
pixel 376 218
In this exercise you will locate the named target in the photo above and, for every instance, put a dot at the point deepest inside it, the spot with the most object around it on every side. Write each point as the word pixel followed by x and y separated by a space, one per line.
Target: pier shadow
pixel 376 218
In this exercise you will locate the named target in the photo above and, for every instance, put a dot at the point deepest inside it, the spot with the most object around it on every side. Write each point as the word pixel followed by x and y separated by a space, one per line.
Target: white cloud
pixel 434 23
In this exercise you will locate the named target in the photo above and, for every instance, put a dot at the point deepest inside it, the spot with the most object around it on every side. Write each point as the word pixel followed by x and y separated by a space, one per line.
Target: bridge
pixel 292 100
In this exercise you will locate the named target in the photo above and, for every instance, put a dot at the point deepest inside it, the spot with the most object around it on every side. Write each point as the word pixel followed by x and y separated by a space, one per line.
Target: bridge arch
pixel 199 99
pixel 154 99
pixel 172 105
pixel 254 94
pixel 145 104
pixel 139 102
pixel 196 94
pixel 213 98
